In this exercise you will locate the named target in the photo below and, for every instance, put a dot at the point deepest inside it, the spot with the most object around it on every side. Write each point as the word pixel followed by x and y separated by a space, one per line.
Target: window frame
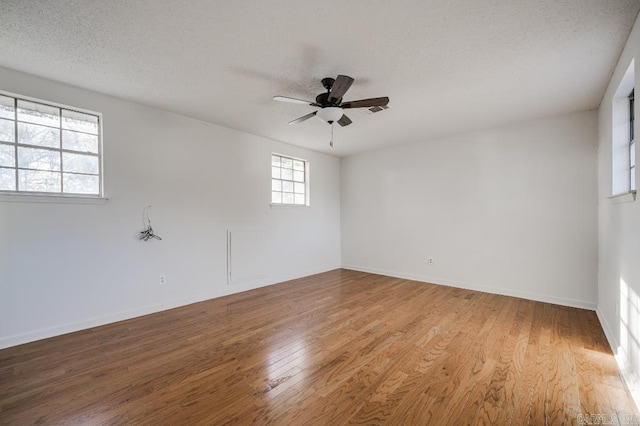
pixel 622 181
pixel 18 195
pixel 632 142
pixel 307 202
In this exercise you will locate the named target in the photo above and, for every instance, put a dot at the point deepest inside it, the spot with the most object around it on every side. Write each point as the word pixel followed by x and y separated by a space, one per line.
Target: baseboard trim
pixel 294 276
pixel 58 330
pixel 477 287
pixel 632 381
pixel 45 333
pixel 613 342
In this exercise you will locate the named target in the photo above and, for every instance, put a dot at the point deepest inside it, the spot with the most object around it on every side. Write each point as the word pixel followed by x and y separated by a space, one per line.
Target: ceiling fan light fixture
pixel 331 108
pixel 330 114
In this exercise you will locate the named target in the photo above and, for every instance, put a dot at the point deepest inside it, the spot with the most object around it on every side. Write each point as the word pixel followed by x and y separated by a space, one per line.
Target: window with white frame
pixel 48 149
pixel 289 181
pixel 623 154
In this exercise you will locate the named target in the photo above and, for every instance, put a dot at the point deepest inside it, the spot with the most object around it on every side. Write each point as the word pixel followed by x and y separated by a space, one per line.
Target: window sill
pixel 289 206
pixel 625 197
pixel 54 199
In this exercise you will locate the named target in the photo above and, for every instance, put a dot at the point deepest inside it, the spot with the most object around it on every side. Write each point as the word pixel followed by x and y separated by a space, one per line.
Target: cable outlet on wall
pixel 430 260
pixel 163 279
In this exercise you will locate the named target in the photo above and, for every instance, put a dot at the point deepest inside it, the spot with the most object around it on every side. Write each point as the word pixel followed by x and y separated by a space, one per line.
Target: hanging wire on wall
pixel 148 233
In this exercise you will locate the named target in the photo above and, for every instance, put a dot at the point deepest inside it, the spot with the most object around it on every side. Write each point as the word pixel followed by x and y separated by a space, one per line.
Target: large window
pixel 48 149
pixel 289 181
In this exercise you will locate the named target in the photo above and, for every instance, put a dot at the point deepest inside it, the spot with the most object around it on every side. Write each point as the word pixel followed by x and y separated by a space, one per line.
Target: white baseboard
pixel 57 330
pixel 631 380
pixel 477 287
pixel 302 274
pixel 613 341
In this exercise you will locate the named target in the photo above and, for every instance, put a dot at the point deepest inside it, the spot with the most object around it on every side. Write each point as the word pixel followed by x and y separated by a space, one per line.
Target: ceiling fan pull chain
pixel 331 143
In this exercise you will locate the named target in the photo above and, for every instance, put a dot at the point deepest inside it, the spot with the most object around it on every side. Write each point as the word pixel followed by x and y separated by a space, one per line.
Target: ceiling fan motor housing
pixel 323 100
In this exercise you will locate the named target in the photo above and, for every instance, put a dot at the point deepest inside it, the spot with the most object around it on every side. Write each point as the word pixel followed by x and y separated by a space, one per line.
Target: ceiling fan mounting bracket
pixel 328 83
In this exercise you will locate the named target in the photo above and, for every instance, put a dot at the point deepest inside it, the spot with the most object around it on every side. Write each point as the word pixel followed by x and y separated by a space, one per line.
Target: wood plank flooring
pixel 341 347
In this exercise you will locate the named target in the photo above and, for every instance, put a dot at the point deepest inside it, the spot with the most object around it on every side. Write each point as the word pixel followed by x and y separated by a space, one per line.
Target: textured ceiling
pixel 449 66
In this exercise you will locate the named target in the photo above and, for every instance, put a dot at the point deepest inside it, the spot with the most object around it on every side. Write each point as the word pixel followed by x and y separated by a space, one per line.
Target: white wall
pixel 619 239
pixel 65 267
pixel 510 210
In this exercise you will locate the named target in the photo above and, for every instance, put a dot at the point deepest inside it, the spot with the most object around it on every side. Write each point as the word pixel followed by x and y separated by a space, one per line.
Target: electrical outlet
pixel 431 261
pixel 163 279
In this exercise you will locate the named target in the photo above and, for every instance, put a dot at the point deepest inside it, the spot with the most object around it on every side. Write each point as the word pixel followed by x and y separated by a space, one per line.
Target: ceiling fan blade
pixel 363 103
pixel 294 100
pixel 340 87
pixel 303 118
pixel 344 121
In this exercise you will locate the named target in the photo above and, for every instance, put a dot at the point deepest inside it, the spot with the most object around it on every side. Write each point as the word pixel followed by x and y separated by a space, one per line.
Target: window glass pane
pixel 7 109
pixel 33 112
pixel 299 188
pixel 287 174
pixel 298 165
pixel 32 134
pixel 7 155
pixel 287 186
pixel 275 160
pixel 80 163
pixel 287 198
pixel 73 120
pixel 7 130
pixel 299 199
pixel 7 179
pixel 38 181
pixel 80 184
pixel 287 163
pixel 39 159
pixel 298 176
pixel 275 172
pixel 276 197
pixel 276 185
pixel 79 141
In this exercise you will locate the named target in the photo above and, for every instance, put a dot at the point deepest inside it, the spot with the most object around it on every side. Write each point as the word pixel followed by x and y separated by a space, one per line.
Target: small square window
pixel 289 181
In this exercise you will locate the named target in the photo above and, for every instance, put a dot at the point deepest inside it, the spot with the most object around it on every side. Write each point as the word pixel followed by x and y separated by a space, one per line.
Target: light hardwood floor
pixel 341 347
